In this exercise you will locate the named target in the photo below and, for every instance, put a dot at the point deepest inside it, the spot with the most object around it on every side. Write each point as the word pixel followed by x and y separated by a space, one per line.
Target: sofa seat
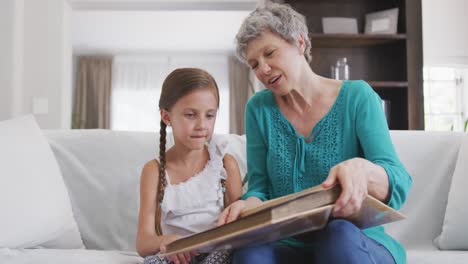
pixel 101 171
pixel 435 256
pixel 70 256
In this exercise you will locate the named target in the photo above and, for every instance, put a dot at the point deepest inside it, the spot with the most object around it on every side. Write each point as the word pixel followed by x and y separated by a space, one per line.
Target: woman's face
pixel 193 118
pixel 276 62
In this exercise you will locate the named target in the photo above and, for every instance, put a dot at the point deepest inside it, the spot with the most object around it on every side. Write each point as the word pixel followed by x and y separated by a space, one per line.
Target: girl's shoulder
pixel 230 162
pixel 150 169
pixel 152 165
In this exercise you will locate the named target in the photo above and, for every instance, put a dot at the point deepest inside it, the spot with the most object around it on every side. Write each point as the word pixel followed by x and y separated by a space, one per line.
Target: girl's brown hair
pixel 177 84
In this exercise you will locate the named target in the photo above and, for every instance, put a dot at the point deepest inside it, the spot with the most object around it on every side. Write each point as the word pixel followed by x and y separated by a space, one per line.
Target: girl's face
pixel 192 118
pixel 276 62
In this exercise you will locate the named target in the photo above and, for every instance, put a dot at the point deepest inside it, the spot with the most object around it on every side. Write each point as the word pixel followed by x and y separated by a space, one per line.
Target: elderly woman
pixel 305 130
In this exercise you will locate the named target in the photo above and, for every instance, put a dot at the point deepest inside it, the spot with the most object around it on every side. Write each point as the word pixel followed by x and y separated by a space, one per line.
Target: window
pixel 445 101
pixel 137 82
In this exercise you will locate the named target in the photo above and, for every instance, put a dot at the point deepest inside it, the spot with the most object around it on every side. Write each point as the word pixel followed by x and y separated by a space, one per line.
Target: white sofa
pixel 101 171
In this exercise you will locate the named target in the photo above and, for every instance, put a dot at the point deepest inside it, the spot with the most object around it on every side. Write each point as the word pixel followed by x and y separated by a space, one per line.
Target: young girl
pixel 186 190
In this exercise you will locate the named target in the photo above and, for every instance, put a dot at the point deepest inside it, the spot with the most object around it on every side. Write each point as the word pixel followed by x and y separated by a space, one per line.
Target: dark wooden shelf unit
pixel 391 63
pixel 320 40
pixel 383 84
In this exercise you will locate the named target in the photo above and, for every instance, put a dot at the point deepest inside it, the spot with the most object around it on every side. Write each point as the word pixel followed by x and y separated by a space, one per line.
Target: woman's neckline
pixel 313 131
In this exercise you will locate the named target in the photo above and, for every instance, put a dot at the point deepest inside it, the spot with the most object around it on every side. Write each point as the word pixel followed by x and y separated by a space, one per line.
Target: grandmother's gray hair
pixel 278 18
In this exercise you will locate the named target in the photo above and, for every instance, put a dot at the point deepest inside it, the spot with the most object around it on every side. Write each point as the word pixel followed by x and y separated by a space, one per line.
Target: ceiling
pixel 164 4
pixel 128 31
pixel 149 26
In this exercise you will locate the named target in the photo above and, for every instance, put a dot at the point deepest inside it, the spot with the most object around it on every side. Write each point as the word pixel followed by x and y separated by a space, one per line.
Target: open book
pixel 283 217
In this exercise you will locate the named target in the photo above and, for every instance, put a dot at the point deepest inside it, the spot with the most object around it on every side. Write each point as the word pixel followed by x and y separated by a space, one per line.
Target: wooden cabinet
pixel 391 63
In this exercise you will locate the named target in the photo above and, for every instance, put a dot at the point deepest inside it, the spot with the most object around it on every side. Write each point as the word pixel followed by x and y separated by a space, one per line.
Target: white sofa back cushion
pixel 35 206
pixel 102 171
pixel 430 159
pixel 454 234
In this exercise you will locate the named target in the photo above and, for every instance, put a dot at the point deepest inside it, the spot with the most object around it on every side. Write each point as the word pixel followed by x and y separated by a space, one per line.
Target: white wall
pixel 6 57
pixel 35 55
pixel 445 32
pixel 163 4
pixel 47 66
pixel 40 59
pixel 149 31
pixel 68 69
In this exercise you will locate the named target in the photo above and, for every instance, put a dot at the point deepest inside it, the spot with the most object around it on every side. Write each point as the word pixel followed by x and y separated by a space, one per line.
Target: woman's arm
pixel 257 173
pixel 388 179
pixel 377 182
pixel 256 166
pixel 357 177
pixel 233 180
pixel 380 173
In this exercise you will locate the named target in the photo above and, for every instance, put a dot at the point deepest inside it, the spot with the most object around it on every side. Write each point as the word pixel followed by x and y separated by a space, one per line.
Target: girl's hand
pixel 353 176
pixel 182 258
pixel 232 212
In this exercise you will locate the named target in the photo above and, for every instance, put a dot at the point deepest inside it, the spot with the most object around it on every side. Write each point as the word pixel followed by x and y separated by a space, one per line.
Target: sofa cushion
pixel 454 234
pixel 430 158
pixel 235 147
pixel 434 256
pixel 69 256
pixel 35 206
pixel 101 169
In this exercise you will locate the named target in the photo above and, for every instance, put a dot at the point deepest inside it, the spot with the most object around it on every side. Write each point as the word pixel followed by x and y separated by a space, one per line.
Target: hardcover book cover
pixel 281 218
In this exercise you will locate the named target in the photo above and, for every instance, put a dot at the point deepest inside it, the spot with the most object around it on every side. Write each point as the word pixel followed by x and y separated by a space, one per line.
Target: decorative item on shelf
pixel 382 22
pixel 335 25
pixel 340 71
pixel 386 108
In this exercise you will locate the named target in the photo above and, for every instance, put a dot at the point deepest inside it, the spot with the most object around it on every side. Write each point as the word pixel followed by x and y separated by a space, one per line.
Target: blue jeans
pixel 339 242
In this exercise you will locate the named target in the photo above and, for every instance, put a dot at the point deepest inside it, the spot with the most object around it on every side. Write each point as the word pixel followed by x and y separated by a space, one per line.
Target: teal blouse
pixel 280 161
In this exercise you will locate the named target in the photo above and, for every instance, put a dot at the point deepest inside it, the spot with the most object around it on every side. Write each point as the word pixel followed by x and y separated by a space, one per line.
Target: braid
pixel 162 175
pixel 223 188
pixel 162 161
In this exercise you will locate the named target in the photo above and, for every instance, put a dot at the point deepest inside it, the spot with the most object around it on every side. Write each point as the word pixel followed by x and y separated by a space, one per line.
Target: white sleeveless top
pixel 194 206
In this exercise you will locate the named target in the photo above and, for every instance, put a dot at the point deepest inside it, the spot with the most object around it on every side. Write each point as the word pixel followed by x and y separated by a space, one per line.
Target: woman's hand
pixel 182 258
pixel 353 176
pixel 232 212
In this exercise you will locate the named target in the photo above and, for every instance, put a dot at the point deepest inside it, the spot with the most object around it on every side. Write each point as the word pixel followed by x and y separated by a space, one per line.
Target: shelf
pixel 390 63
pixel 320 40
pixel 389 84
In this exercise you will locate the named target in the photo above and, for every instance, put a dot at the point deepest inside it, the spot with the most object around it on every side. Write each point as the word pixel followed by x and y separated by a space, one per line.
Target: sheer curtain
pixel 137 82
pixel 136 86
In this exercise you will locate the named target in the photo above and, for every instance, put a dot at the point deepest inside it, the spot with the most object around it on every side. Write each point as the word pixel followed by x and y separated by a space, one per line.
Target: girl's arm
pixel 148 243
pixel 233 180
pixel 256 166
